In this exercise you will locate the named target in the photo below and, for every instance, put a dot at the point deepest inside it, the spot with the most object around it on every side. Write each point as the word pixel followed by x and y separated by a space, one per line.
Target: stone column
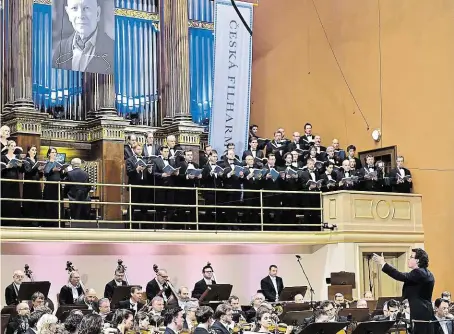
pixel 100 92
pixel 175 61
pixel 21 15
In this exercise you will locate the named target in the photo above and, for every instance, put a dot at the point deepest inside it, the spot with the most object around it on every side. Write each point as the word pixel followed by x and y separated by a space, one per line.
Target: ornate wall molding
pixel 137 14
pixel 201 25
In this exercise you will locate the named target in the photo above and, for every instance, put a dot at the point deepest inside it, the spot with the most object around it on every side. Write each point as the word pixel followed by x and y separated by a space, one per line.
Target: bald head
pixel 90 295
pixel 23 309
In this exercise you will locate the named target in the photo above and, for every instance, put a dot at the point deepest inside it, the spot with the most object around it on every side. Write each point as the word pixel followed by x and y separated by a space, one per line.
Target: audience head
pixel 418 259
pixel 224 313
pixel 204 315
pixel 362 303
pixel 174 318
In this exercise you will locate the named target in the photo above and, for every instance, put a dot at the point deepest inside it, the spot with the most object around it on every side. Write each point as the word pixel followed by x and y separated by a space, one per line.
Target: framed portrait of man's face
pixel 83 33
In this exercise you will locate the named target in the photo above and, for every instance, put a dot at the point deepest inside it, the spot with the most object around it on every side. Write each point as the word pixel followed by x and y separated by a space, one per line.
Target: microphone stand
pixel 311 290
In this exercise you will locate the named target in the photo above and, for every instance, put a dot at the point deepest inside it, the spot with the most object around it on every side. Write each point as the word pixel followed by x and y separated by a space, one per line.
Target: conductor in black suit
pixel 88 48
pixel 418 287
pixel 77 192
pixel 117 281
pixel 272 285
pixel 201 286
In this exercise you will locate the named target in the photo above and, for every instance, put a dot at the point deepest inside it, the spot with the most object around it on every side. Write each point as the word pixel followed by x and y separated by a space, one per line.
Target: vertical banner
pixel 232 76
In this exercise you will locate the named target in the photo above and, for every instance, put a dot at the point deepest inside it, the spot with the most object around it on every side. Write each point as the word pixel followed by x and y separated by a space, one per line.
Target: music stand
pixel 289 292
pixel 27 289
pixel 345 290
pixel 324 327
pixel 381 301
pixel 218 292
pixel 358 314
pixel 295 307
pixel 296 318
pixel 64 310
pixel 120 293
pixel 370 327
pixel 343 278
pixel 11 309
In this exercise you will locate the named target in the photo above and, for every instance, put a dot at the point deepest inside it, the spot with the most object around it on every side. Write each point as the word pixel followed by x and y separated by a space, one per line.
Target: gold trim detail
pixel 385 206
pixel 363 208
pixel 137 14
pixel 399 209
pixel 43 2
pixel 16 234
pixel 332 208
pixel 201 25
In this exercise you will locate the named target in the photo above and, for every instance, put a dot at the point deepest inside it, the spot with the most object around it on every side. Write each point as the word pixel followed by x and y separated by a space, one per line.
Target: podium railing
pixel 140 214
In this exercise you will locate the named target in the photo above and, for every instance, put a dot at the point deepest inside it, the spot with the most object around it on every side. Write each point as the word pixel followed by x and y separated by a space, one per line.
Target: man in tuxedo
pixel 232 181
pixel 175 150
pixel 173 320
pixel 390 310
pixel 318 146
pixel 157 284
pixel 72 292
pixel 272 285
pixel 445 324
pixel 370 182
pixel 351 151
pixel 137 175
pixel 272 199
pixel 327 312
pixel 133 304
pixel 149 149
pixel 204 316
pixel 234 302
pixel 295 144
pixel 277 148
pixel 187 180
pixel 12 290
pixel 223 319
pixel 204 155
pixel 401 177
pixel 132 141
pixel 340 153
pixel 78 192
pixel 212 180
pixel 118 280
pixel 307 139
pixel 254 151
pixel 201 286
pixel 418 286
pixel 342 173
pixel 309 200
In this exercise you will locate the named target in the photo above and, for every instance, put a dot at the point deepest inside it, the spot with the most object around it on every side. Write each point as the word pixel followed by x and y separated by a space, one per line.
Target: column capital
pixel 110 128
pixel 24 121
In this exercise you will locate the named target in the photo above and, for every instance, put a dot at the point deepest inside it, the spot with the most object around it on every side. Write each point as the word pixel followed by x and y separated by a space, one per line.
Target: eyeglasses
pixel 412 257
pixel 208 271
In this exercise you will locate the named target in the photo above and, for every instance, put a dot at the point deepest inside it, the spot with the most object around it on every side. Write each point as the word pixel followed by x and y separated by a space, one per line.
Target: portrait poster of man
pixel 83 33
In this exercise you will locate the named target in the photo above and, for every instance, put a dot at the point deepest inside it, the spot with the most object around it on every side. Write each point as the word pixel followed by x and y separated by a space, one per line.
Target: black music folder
pixel 64 311
pixel 289 292
pixel 120 293
pixel 358 314
pixel 324 327
pixel 370 327
pixel 296 318
pixel 27 289
pixel 218 292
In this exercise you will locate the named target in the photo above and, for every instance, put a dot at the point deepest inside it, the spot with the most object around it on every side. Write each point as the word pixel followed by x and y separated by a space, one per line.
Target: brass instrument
pixel 122 268
pixel 29 273
pixel 70 268
pixel 167 284
pixel 280 328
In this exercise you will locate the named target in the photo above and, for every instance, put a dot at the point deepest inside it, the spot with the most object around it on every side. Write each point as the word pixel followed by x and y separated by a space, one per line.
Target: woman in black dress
pixel 4 135
pixel 33 172
pixel 51 173
pixel 10 170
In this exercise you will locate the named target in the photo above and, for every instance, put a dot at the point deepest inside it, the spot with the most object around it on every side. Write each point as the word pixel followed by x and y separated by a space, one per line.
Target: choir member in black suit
pixel 223 316
pixel 310 174
pixel 401 177
pixel 295 144
pixel 285 141
pixel 340 153
pixel 232 181
pixel 12 290
pixel 165 196
pixel 71 293
pixel 329 178
pixel 149 149
pixel 229 146
pixel 332 157
pixel 160 282
pixel 173 320
pixel 370 182
pixel 385 182
pixel 149 156
pixel 418 287
pixel 201 286
pixel 78 192
pixel 204 316
pixel 32 190
pixel 272 285
pixel 289 183
pixel 251 199
pixel 204 155
pixel 117 281
pixel 296 160
pixel 307 140
pixel 344 172
pixel 351 151
pixel 187 197
pixel 273 198
pixel 277 148
pixel 50 192
pixel 353 169
pixel 212 180
pixel 175 150
pixel 253 132
pixel 137 175
pixel 254 151
pixel 133 304
pixel 128 150
pixel 312 155
pixel 318 146
pixel 11 168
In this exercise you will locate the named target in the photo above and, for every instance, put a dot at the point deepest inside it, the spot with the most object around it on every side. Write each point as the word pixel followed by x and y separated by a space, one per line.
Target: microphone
pixel 298 257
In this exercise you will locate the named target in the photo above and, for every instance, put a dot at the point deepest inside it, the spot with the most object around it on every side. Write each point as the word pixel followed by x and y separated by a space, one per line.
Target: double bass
pixel 173 299
pixel 70 268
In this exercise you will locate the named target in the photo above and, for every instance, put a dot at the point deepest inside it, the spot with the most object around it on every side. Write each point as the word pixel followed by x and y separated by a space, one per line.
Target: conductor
pixel 418 287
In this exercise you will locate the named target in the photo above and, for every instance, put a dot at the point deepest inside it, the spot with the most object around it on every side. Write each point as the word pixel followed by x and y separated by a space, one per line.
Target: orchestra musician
pixel 328 313
pixel 11 168
pixel 266 320
pixel 133 304
pixel 183 296
pixel 104 309
pixel 190 320
pixel 90 299
pixel 272 285
pixel 12 290
pixel 298 299
pixel 445 324
pixel 72 292
pixel 118 280
pixel 173 320
pixel 340 301
pixel 207 279
pixel 418 286
pixel 123 320
pixel 39 301
pixel 157 306
pixel 234 302
pixel 204 317
pixel 223 319
pixel 390 310
pixel 18 324
pixel 141 321
pixel 157 284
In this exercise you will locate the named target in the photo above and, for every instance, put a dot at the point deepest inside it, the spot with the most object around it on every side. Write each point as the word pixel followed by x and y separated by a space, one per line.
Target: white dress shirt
pixel 83 52
pixel 273 280
pixel 133 305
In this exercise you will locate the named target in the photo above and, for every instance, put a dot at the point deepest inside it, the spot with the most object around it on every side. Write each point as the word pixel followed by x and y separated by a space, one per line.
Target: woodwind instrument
pixel 70 268
pixel 174 295
pixel 122 268
pixel 29 273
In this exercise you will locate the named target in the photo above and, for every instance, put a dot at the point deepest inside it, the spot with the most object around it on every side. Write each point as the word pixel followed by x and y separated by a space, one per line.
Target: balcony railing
pixel 128 214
